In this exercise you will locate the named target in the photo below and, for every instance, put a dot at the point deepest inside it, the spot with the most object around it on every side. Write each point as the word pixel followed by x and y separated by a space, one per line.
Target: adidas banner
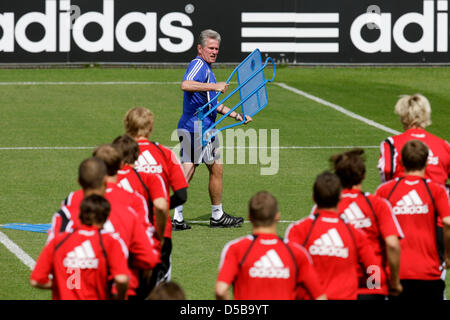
pixel 291 31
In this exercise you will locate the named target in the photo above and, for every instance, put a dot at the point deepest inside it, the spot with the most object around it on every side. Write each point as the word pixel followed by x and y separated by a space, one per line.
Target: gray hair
pixel 208 33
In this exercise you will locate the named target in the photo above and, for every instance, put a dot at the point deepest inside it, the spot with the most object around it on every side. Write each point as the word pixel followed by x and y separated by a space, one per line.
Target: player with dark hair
pixel 85 260
pixel 264 266
pixel 418 203
pixel 335 246
pixel 122 219
pixel 199 86
pixel 152 187
pixel 374 216
pixel 137 179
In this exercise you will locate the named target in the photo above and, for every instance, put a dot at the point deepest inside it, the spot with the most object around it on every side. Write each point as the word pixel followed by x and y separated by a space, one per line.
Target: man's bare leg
pixel 188 169
pixel 215 182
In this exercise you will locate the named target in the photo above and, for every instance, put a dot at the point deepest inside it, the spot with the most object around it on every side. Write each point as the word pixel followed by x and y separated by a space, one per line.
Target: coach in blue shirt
pixel 200 86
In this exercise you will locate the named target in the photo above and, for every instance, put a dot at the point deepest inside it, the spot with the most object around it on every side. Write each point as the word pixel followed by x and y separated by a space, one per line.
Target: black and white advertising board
pixel 291 31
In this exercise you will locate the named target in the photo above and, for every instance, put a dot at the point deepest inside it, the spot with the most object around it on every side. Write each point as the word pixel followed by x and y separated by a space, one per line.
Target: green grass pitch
pixel 34 181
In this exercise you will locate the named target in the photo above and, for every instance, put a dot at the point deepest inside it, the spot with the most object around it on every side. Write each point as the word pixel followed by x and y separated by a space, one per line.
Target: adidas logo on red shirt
pixel 82 257
pixel 410 204
pixel 146 163
pixel 329 244
pixel 356 217
pixel 269 266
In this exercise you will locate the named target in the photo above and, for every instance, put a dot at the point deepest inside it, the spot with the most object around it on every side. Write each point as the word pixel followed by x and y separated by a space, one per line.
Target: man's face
pixel 210 51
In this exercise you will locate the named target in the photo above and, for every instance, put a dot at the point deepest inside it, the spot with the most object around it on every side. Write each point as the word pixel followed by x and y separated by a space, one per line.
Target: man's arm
pixel 222 292
pixel 196 86
pixel 121 282
pixel 393 258
pixel 161 208
pixel 47 285
pixel 223 110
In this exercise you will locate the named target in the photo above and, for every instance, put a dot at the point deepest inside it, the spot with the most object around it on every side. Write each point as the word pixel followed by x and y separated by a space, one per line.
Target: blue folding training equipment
pixel 252 91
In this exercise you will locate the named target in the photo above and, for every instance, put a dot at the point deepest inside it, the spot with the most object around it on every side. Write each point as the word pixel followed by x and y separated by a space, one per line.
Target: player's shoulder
pixel 386 185
pixel 374 199
pixel 74 197
pixel 299 225
pixel 436 187
pixel 297 249
pixel 238 243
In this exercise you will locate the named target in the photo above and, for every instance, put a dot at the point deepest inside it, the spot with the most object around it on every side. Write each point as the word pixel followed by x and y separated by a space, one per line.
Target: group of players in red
pixel 353 245
pixel 127 252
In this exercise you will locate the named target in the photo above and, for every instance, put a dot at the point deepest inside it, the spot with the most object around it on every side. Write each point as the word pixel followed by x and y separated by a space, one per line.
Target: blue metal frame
pixel 202 115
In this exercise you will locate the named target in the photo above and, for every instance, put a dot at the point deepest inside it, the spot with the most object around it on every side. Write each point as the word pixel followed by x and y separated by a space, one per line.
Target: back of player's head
pixel 94 209
pixel 208 33
pixel 110 156
pixel 167 291
pixel 127 147
pixel 414 155
pixel 414 110
pixel 262 209
pixel 349 167
pixel 91 173
pixel 138 122
pixel 327 190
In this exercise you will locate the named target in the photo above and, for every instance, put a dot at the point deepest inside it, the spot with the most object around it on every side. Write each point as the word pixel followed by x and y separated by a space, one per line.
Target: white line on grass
pixel 17 251
pixel 337 108
pixel 235 147
pixel 280 84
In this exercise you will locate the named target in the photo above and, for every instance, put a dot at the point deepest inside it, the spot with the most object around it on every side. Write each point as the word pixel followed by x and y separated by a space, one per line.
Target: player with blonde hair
pixel 415 115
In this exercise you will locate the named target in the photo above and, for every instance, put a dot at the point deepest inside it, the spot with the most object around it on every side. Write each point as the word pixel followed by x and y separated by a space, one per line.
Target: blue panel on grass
pixel 42 228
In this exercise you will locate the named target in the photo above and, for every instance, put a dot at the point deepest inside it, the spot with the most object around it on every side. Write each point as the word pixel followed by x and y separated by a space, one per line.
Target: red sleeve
pixel 307 275
pixel 441 200
pixel 142 211
pixel 366 253
pixel 44 264
pixel 448 162
pixel 388 223
pixel 157 187
pixel 387 160
pixel 55 227
pixel 382 191
pixel 116 254
pixel 296 232
pixel 144 255
pixel 229 264
pixel 176 176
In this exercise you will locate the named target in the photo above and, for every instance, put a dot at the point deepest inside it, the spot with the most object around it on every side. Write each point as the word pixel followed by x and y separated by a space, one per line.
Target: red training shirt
pixel 156 158
pixel 374 216
pixel 336 249
pixel 79 262
pixel 264 267
pixel 416 213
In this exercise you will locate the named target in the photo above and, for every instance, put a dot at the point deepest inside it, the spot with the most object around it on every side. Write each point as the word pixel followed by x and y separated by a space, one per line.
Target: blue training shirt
pixel 197 70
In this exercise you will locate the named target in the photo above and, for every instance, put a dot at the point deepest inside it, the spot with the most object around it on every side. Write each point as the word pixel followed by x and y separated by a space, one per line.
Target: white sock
pixel 216 211
pixel 178 213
